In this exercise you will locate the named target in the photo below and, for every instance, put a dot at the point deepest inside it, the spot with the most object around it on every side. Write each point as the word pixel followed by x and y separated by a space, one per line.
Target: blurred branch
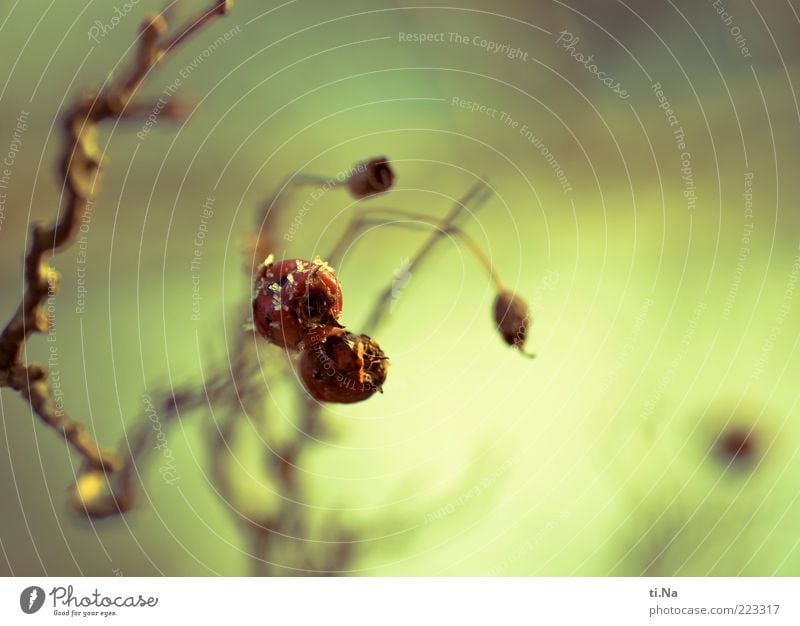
pixel 81 171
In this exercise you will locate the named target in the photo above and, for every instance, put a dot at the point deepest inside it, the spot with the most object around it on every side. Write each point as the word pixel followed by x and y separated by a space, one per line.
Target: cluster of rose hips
pixel 297 305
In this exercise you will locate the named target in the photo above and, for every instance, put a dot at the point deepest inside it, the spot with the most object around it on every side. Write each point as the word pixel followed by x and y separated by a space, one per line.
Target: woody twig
pixel 81 170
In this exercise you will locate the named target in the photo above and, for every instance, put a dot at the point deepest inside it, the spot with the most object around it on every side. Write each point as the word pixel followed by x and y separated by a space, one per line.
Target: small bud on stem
pixel 511 317
pixel 737 446
pixel 370 178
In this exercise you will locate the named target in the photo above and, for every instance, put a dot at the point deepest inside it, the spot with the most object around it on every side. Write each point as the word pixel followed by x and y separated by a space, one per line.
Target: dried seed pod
pixel 371 177
pixel 512 319
pixel 294 297
pixel 344 368
pixel 737 446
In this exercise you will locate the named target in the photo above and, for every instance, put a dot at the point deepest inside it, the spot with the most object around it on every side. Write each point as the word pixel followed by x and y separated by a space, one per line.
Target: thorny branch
pixel 81 170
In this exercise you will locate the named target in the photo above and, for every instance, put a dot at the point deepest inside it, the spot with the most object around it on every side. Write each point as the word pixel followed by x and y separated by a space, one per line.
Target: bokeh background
pixel 663 286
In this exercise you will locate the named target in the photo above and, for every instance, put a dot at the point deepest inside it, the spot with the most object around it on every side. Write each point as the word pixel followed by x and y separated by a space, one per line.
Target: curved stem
pixel 475 193
pixel 420 219
pixel 478 194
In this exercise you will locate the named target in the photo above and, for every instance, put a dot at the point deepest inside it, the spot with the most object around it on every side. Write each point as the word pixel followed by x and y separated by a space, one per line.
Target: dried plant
pixel 232 392
pixel 81 170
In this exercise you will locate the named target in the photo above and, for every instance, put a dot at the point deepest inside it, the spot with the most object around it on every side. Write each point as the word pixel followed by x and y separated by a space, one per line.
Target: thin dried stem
pixel 279 537
pixel 414 221
pixel 107 481
pixel 476 194
pixel 81 170
pixel 218 9
pixel 287 520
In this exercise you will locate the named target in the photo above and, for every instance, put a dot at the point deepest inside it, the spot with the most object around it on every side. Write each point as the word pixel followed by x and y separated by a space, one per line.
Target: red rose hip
pixel 344 368
pixel 295 298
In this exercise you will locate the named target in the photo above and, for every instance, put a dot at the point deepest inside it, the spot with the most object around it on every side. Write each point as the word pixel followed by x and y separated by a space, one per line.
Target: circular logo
pixel 31 599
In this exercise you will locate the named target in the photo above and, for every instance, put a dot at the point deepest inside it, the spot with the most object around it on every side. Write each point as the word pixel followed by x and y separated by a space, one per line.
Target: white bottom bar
pixel 401 601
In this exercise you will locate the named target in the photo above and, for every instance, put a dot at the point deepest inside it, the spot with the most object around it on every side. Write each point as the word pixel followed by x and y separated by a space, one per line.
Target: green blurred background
pixel 595 459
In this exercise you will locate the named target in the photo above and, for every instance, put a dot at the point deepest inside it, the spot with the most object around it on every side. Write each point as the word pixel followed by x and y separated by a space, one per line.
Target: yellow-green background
pixel 552 467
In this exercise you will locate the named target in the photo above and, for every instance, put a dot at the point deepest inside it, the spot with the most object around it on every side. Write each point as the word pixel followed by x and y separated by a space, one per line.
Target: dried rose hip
pixel 512 319
pixel 372 177
pixel 737 446
pixel 344 368
pixel 294 299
